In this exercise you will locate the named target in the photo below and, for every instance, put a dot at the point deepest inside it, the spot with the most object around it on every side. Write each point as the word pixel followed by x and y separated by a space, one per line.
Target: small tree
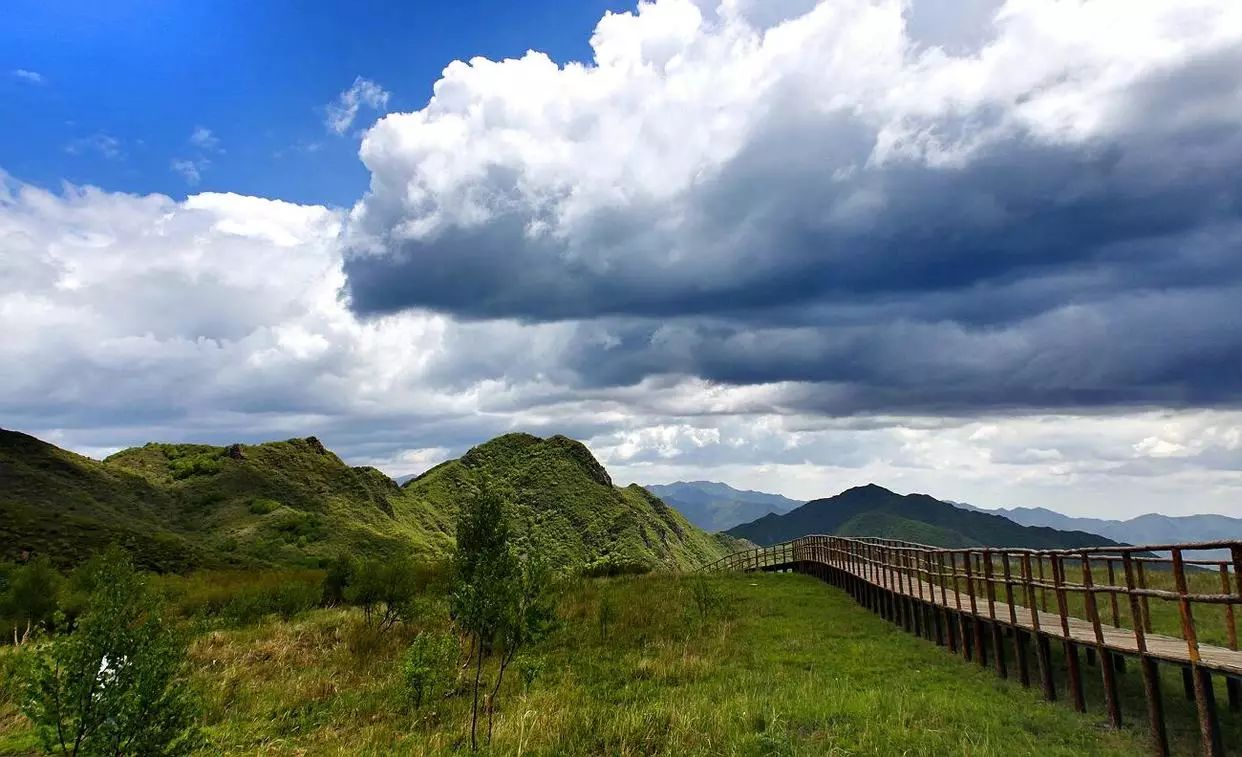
pixel 340 572
pixel 116 685
pixel 501 601
pixel 427 665
pixel 384 589
pixel 29 598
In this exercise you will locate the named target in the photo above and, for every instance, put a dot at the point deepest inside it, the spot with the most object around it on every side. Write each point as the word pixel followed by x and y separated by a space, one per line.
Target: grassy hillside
pixel 295 503
pixel 784 665
pixel 941 522
pixel 59 503
pixel 567 506
pixel 715 506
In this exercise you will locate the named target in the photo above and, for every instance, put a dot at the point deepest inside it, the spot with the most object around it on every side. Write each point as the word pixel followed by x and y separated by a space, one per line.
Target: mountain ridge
pixel 716 506
pixel 295 502
pixel 951 525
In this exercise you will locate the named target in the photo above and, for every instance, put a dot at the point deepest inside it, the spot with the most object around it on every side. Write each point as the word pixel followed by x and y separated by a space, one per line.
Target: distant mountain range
pixel 182 506
pixel 714 506
pixel 1151 528
pixel 872 510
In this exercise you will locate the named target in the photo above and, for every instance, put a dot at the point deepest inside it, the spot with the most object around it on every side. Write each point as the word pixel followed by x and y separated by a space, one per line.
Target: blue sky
pixel 125 84
pixel 985 249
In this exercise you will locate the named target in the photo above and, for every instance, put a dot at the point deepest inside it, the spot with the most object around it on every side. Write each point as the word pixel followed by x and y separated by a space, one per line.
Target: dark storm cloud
pixel 985 262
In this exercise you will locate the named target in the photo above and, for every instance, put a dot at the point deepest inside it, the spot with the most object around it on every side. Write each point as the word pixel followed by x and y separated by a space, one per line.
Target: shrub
pixel 340 574
pixel 428 667
pixel 607 567
pixel 117 684
pixel 384 589
pixel 28 598
pixel 263 506
pixel 529 668
pixel 202 464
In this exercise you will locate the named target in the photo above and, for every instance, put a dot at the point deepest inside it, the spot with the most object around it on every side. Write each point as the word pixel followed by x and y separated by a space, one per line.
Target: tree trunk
pixel 474 710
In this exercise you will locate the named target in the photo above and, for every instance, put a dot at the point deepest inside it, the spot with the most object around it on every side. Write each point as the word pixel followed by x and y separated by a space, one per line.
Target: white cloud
pixel 204 139
pixel 661 169
pixel 101 144
pixel 363 92
pixel 717 151
pixel 190 169
pixel 30 77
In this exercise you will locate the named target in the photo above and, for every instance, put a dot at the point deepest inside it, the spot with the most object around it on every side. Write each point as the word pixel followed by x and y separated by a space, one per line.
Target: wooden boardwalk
pixel 994 603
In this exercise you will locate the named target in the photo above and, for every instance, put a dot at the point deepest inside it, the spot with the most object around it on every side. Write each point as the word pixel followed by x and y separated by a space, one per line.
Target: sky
pixel 989 250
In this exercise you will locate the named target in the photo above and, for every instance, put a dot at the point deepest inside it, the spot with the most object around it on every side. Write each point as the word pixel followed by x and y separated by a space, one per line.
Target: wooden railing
pixel 1112 601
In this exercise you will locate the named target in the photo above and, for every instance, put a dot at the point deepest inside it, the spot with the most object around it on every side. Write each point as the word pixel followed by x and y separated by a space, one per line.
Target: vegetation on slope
pixel 567 507
pixel 774 664
pixel 946 524
pixel 295 503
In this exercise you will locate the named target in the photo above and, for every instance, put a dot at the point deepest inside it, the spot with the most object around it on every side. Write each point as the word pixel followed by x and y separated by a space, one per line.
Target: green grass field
pixel 783 665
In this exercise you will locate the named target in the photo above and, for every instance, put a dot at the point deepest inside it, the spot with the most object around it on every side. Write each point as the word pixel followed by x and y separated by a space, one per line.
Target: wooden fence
pixel 1114 602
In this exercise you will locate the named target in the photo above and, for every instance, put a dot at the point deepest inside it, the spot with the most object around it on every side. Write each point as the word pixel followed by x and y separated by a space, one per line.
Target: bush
pixel 384 589
pixel 529 668
pixel 117 684
pixel 28 597
pixel 340 574
pixel 202 464
pixel 262 505
pixel 428 667
pixel 608 567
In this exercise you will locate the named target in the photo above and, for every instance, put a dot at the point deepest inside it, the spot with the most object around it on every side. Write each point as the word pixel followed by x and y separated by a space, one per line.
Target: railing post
pixel 1071 649
pixel 1205 699
pixel 1233 685
pixel 1043 654
pixel 1019 642
pixel 1107 673
pixel 1147 665
pixel 998 644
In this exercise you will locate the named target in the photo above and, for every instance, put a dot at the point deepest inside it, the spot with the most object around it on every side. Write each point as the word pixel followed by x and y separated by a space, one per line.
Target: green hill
pixel 567 505
pixel 176 506
pixel 912 517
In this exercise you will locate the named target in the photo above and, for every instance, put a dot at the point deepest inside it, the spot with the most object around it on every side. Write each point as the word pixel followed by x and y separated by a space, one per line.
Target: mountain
pixel 1151 528
pixel 715 506
pixel 177 506
pixel 864 510
pixel 568 506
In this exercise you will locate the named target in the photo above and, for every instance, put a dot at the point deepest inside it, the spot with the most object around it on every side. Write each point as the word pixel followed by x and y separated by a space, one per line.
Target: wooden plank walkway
pixel 1167 648
pixel 918 587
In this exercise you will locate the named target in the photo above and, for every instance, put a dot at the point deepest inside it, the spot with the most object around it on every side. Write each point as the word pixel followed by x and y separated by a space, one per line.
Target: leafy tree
pixel 384 589
pixel 500 600
pixel 117 684
pixel 340 572
pixel 29 596
pixel 427 666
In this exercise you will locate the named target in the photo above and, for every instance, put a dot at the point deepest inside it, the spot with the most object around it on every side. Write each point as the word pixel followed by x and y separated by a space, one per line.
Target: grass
pixel 765 665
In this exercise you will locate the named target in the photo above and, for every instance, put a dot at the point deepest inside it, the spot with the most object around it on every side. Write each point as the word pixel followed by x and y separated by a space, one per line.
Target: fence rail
pixel 1115 602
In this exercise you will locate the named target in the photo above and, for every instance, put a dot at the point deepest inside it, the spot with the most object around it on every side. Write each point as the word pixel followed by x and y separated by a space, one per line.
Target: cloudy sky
pixel 987 250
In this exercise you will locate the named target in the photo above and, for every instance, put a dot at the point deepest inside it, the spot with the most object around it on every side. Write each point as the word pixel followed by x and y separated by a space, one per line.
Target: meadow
pixel 776 664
